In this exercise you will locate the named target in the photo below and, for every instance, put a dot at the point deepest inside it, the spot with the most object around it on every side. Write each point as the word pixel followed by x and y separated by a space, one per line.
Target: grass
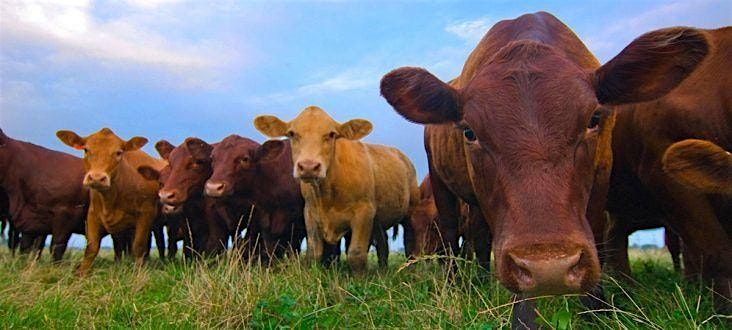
pixel 226 293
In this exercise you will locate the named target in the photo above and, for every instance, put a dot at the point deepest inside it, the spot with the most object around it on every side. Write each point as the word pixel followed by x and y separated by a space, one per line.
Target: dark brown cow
pixel 426 232
pixel 45 193
pixel 696 119
pixel 261 174
pixel 522 134
pixel 120 198
pixel 196 220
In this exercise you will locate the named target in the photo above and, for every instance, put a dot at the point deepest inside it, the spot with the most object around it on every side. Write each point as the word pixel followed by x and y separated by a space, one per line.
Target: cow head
pixel 103 153
pixel 236 161
pixel 189 165
pixel 313 135
pixel 536 131
pixel 700 165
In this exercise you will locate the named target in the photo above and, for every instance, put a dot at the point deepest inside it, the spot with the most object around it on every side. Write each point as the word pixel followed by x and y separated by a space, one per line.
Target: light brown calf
pixel 120 198
pixel 346 184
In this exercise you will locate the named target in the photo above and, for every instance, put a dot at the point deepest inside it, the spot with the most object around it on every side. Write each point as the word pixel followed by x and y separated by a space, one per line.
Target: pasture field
pixel 227 293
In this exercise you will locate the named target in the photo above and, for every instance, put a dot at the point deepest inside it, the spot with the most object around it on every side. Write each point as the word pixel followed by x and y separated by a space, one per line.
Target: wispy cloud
pixel 70 30
pixel 471 30
pixel 611 39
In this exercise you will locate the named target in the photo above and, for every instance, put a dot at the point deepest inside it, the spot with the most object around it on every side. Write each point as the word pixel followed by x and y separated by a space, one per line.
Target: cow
pixel 4 213
pixel 192 215
pixel 427 238
pixel 260 174
pixel 672 153
pixel 120 199
pixel 524 134
pixel 347 185
pixel 45 195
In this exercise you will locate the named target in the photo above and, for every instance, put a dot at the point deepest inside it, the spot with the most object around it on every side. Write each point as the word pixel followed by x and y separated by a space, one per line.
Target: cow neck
pixel 122 181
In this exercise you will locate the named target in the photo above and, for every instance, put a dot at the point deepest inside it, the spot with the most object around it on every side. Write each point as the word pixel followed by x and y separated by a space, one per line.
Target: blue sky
pixel 172 69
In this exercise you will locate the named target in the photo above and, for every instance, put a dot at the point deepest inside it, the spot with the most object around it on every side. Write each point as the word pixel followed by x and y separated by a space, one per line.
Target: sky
pixel 170 69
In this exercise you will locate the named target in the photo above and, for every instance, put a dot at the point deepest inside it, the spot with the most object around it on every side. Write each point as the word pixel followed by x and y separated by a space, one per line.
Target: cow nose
pixel 97 179
pixel 551 272
pixel 308 168
pixel 215 189
pixel 167 196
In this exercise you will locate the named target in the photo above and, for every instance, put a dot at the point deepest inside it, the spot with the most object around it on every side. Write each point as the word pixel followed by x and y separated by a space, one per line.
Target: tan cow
pixel 346 184
pixel 120 198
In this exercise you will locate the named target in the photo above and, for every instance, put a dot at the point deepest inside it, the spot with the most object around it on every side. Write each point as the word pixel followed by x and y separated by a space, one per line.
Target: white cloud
pixel 472 30
pixel 69 28
pixel 150 3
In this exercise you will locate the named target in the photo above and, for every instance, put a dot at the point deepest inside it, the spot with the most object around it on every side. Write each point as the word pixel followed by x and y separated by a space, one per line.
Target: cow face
pixel 313 135
pixel 103 153
pixel 700 165
pixel 536 133
pixel 231 159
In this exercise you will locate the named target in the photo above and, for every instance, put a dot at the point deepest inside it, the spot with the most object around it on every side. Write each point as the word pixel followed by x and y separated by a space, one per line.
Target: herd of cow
pixel 536 153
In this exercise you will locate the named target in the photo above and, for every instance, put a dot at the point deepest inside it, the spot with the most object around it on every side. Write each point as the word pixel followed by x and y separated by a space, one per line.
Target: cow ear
pixel 270 126
pixel 148 173
pixel 650 66
pixel 71 139
pixel 134 143
pixel 420 97
pixel 198 148
pixel 355 129
pixel 700 165
pixel 269 151
pixel 164 148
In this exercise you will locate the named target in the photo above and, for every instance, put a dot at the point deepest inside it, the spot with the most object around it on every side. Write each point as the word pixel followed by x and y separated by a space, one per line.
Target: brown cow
pixel 120 198
pixel 261 174
pixel 45 194
pixel 473 230
pixel 193 216
pixel 347 185
pixel 522 134
pixel 671 154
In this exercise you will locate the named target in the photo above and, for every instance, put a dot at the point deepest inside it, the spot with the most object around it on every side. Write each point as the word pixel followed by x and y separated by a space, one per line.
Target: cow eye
pixel 469 134
pixel 290 134
pixel 244 160
pixel 118 153
pixel 595 120
pixel 332 135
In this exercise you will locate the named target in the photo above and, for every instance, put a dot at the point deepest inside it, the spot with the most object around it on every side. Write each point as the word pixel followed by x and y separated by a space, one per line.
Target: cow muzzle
pixel 215 189
pixel 550 270
pixel 309 170
pixel 172 209
pixel 170 196
pixel 97 180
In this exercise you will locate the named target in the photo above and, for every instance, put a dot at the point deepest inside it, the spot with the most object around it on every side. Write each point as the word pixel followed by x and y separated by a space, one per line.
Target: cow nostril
pixel 316 167
pixel 299 167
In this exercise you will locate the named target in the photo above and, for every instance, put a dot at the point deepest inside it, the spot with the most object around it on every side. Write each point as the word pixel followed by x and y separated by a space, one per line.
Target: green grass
pixel 293 294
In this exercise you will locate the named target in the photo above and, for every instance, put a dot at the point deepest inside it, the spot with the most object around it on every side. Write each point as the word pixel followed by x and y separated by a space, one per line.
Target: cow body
pixel 347 185
pixel 524 134
pixel 120 198
pixel 261 174
pixel 699 108
pixel 44 190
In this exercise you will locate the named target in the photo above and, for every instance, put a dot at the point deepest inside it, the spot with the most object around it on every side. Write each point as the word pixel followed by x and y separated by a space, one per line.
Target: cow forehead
pixel 232 147
pixel 540 96
pixel 313 120
pixel 103 140
pixel 179 155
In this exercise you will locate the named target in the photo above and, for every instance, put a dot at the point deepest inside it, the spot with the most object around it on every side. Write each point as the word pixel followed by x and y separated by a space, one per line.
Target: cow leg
pixel 159 239
pixel 524 314
pixel 38 244
pixel 94 233
pixel 448 207
pixel 141 239
pixel 118 243
pixel 673 244
pixel 315 241
pixel 382 245
pixel 13 238
pixel 481 237
pixel 59 241
pixel 362 226
pixel 615 248
pixel 410 239
pixel 172 230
